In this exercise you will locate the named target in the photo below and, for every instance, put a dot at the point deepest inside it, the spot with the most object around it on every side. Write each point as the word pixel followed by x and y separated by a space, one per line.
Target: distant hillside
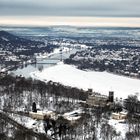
pixel 5 36
pixel 9 40
pixel 21 46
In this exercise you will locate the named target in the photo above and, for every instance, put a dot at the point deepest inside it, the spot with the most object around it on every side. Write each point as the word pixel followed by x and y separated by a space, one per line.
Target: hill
pixel 10 41
pixel 18 45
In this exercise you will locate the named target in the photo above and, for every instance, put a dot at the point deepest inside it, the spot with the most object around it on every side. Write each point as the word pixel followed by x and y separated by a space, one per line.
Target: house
pixel 119 116
pixel 40 115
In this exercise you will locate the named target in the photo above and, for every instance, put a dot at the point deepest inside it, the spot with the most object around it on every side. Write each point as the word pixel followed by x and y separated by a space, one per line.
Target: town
pixel 70 70
pixel 122 61
pixel 32 108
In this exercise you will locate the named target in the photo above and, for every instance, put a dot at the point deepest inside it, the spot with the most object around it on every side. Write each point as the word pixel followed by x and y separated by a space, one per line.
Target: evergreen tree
pixel 34 107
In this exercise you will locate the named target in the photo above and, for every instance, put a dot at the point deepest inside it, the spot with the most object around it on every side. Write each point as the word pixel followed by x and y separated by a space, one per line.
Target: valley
pixel 57 71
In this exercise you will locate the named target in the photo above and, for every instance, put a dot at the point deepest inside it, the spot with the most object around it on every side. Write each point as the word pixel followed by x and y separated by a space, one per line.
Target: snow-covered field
pixel 101 82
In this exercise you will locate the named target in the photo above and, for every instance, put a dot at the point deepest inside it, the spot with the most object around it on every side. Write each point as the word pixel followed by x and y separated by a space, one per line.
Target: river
pixel 43 62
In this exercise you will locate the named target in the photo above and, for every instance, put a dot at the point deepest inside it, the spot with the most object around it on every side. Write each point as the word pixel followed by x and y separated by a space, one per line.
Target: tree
pixel 118 107
pixel 108 132
pixel 34 107
pixel 132 104
pixel 40 68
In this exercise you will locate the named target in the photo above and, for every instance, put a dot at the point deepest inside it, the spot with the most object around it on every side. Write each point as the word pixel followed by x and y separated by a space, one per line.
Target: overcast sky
pixel 70 12
pixel 119 8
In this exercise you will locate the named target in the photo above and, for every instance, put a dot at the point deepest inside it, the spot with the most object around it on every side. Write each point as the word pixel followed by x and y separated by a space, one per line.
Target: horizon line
pixel 42 21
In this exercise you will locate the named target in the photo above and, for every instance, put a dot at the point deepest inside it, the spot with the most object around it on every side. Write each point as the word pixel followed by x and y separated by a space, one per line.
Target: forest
pixel 17 95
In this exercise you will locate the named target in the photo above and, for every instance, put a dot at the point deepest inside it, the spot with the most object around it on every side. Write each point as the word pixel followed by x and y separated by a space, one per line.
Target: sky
pixel 11 10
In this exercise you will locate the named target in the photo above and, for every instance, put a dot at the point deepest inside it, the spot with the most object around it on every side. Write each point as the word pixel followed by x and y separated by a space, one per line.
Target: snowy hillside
pixel 101 82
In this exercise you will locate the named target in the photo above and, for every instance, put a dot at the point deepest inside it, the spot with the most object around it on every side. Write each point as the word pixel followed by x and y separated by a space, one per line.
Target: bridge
pixel 51 59
pixel 49 63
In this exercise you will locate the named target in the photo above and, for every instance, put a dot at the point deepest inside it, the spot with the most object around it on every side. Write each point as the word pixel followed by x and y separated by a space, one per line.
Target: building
pixel 119 116
pixel 111 96
pixel 40 115
pixel 96 99
pixel 73 117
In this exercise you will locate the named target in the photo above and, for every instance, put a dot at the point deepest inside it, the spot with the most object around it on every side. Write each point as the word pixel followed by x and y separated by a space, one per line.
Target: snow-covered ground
pixel 101 82
pixel 29 122
pixel 120 126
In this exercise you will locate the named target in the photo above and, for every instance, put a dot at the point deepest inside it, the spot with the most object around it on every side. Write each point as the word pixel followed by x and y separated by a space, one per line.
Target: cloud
pixel 71 7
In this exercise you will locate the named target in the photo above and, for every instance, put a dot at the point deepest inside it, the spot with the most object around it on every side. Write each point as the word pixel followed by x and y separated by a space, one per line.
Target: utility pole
pixel 61 50
pixel 61 54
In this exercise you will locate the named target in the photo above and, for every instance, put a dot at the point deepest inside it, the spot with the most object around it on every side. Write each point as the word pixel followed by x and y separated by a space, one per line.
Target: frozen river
pixel 45 62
